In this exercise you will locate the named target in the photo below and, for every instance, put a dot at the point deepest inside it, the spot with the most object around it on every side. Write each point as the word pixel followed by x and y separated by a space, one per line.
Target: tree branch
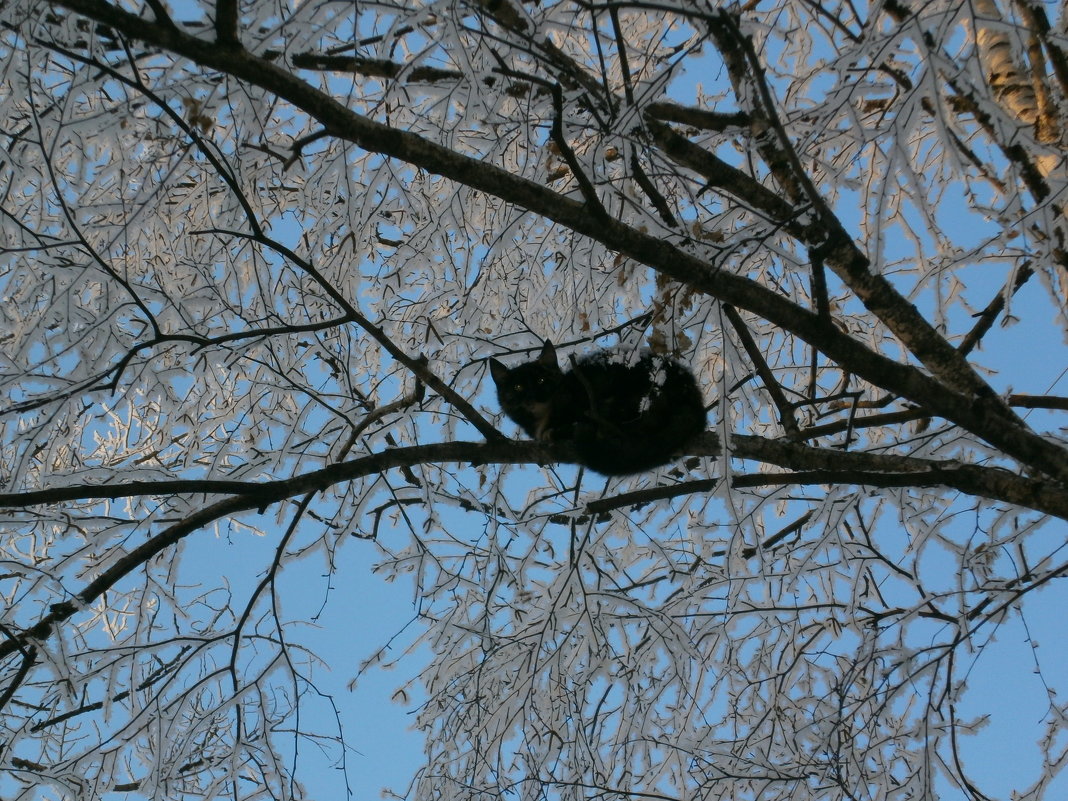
pixel 666 111
pixel 778 397
pixel 375 68
pixel 836 466
pixel 226 14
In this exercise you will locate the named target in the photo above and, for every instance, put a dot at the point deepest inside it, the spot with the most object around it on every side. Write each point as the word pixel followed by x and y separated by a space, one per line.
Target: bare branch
pixel 786 411
pixel 666 111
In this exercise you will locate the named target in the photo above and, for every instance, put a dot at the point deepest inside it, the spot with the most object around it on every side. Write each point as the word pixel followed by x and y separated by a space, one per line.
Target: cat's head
pixel 529 383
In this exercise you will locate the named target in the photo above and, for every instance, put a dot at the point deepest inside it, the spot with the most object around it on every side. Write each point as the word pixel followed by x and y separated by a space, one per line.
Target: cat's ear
pixel 498 371
pixel 547 355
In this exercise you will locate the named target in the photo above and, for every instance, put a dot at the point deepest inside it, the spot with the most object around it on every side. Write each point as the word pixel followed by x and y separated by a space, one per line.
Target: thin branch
pixel 593 202
pixel 659 201
pixel 157 674
pixel 666 111
pixel 869 421
pixel 819 284
pixel 639 498
pixel 985 318
pixel 778 397
pixel 621 51
pixel 954 728
pixel 1039 402
pixel 376 68
pixel 556 133
pixel 29 657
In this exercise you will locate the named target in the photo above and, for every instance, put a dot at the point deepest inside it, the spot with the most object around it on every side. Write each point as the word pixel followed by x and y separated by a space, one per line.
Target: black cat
pixel 623 418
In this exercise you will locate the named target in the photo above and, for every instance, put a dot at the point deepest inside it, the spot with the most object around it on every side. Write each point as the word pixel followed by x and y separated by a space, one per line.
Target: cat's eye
pixel 517 388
